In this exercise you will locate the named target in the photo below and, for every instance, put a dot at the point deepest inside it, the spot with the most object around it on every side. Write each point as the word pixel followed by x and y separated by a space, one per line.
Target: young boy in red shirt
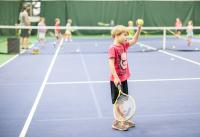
pixel 119 68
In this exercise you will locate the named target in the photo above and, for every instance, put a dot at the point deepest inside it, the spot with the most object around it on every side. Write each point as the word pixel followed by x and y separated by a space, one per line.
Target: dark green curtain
pixel 154 13
pixel 54 9
pixel 89 13
pixel 196 15
pixel 9 14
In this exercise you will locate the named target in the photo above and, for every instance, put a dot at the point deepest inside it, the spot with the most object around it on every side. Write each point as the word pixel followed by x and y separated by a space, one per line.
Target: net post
pixel 164 38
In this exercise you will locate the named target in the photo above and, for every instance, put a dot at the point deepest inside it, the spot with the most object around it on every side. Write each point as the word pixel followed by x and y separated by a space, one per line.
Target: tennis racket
pixel 124 106
pixel 103 24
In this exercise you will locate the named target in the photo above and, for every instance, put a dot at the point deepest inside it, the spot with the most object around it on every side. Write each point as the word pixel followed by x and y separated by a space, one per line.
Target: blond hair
pixel 69 21
pixel 130 23
pixel 57 19
pixel 119 29
pixel 42 19
pixel 190 21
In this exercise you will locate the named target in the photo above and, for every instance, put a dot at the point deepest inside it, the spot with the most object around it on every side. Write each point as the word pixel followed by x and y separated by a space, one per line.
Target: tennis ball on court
pixel 140 22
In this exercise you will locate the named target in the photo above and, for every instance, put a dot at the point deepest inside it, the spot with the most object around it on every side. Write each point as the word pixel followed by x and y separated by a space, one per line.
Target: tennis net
pixel 182 40
pixel 94 40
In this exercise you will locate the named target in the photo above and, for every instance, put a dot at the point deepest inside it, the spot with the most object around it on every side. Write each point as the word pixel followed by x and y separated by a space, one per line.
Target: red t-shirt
pixel 57 27
pixel 178 25
pixel 119 53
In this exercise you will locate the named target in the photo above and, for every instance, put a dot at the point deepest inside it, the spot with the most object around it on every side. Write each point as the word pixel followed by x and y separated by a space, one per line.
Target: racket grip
pixel 119 86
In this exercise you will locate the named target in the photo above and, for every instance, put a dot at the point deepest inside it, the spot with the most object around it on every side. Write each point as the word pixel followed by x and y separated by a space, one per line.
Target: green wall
pixel 154 13
pixel 9 14
pixel 89 13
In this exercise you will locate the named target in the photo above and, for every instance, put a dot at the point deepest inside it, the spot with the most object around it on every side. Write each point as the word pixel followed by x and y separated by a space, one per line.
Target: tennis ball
pixel 140 22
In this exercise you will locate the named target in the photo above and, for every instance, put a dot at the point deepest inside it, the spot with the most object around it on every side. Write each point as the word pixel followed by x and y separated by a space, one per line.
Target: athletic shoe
pixel 119 126
pixel 129 124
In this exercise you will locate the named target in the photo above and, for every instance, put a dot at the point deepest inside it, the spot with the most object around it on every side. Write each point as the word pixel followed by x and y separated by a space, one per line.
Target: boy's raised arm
pixel 135 37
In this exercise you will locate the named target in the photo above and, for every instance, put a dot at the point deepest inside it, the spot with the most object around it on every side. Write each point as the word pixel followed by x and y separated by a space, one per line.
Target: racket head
pixel 124 107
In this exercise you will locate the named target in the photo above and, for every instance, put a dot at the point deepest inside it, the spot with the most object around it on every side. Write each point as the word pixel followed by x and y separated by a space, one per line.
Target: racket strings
pixel 122 99
pixel 124 107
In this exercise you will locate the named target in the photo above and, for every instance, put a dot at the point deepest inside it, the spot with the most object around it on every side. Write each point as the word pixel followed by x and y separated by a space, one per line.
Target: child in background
pixel 131 30
pixel 68 32
pixel 41 31
pixel 112 23
pixel 189 32
pixel 178 25
pixel 41 36
pixel 57 31
pixel 119 67
pixel 25 21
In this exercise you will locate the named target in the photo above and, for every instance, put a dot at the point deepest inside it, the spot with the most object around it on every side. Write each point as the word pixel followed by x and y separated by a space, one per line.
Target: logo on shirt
pixel 123 61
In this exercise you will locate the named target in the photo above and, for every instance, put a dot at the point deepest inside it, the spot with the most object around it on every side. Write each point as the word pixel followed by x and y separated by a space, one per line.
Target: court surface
pixel 64 92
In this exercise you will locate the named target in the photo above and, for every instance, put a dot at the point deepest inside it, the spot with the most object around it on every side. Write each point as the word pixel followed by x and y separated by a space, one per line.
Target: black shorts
pixel 115 92
pixel 24 33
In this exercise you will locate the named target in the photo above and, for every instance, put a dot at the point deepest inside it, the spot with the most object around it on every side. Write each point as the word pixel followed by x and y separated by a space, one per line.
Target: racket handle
pixel 119 86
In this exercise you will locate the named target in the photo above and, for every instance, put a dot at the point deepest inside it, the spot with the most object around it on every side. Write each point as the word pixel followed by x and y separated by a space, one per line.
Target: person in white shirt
pixel 68 32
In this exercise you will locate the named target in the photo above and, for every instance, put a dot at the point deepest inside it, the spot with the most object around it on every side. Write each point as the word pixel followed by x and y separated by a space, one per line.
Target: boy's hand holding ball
pixel 139 22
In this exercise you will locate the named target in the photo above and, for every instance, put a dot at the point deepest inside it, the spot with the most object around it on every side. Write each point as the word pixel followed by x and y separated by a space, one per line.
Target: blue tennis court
pixel 64 91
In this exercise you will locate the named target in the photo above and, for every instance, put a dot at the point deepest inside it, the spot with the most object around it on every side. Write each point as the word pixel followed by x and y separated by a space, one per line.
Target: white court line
pixel 170 114
pixel 36 102
pixel 11 59
pixel 184 38
pixel 139 80
pixel 171 54
pixel 91 88
pixel 110 117
pixel 182 58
